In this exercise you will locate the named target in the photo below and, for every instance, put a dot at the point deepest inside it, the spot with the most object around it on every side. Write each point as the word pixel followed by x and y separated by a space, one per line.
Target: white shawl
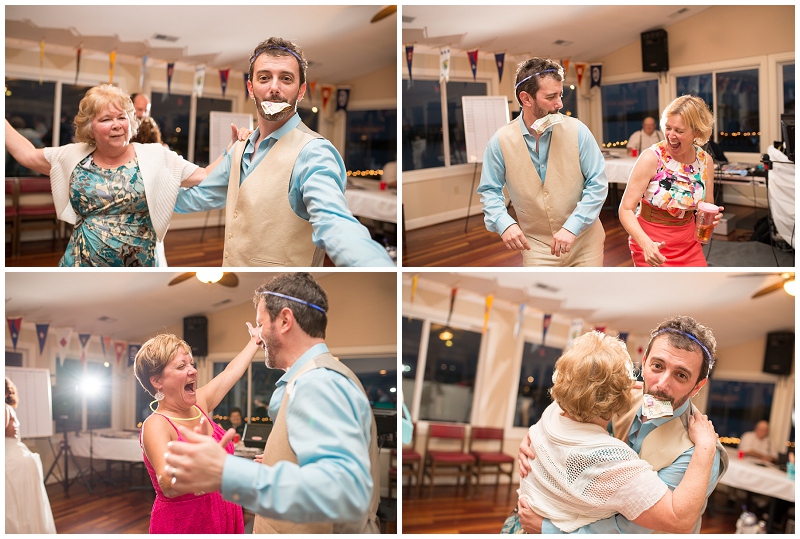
pixel 581 474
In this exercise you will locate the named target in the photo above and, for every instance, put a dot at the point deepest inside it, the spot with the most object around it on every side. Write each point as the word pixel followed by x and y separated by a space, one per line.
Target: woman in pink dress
pixel 165 368
pixel 667 183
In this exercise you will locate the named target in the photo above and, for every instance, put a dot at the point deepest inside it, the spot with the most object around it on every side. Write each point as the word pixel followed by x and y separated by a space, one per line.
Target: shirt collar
pixel 293 122
pixel 307 356
pixel 524 128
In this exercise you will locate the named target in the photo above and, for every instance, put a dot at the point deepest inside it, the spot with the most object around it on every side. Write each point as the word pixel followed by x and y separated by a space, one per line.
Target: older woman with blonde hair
pixel 165 368
pixel 581 474
pixel 119 195
pixel 667 183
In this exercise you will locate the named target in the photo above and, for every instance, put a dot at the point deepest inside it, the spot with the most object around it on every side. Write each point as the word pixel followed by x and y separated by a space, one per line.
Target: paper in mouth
pixel 271 107
pixel 542 124
pixel 654 408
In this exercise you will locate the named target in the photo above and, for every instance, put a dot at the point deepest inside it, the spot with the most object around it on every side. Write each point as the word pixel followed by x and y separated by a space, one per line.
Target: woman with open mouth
pixel 165 368
pixel 668 182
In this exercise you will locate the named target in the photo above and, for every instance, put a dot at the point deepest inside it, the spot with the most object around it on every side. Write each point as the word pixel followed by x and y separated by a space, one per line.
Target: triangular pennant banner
pixel 112 59
pixel 170 72
pixel 342 98
pixel 409 57
pixel 596 75
pixel 142 73
pixel 223 79
pixel 106 344
pixel 326 92
pixel 580 68
pixel 200 79
pixel 518 325
pixel 473 63
pixel 575 330
pixel 119 350
pixel 84 340
pixel 78 62
pixel 500 60
pixel 63 338
pixel 444 64
pixel 41 335
pixel 487 311
pixel 14 325
pixel 545 326
pixel 133 349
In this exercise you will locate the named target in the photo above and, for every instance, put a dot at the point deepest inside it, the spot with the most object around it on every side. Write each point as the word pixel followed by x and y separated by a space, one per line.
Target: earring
pixel 159 395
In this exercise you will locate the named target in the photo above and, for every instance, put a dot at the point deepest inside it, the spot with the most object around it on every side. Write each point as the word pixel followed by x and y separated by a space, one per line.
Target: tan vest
pixel 278 449
pixel 261 229
pixel 666 442
pixel 543 208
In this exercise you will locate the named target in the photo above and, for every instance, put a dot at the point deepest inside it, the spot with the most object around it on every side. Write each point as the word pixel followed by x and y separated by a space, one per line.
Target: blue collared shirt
pixel 329 421
pixel 316 194
pixel 493 179
pixel 671 475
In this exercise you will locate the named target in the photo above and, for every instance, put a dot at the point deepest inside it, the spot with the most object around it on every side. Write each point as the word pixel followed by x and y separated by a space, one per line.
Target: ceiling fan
pixel 787 282
pixel 383 13
pixel 209 276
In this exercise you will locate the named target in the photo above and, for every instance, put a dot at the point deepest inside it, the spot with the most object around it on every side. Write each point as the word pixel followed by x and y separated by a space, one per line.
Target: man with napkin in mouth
pixel 284 186
pixel 555 174
pixel 675 368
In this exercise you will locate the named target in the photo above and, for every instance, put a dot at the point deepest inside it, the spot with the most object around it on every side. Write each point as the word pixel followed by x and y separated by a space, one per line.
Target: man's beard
pixel 676 403
pixel 539 112
pixel 271 348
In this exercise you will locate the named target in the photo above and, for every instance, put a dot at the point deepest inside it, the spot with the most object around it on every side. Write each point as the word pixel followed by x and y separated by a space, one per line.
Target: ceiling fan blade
pixel 383 13
pixel 767 290
pixel 229 279
pixel 182 277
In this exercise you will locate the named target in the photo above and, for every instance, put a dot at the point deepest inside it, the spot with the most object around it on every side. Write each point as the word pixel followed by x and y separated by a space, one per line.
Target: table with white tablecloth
pixel 748 474
pixel 366 199
pixel 110 446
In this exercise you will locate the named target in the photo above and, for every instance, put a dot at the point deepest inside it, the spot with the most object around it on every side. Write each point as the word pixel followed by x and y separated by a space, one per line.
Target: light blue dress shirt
pixel 329 421
pixel 671 475
pixel 316 194
pixel 493 179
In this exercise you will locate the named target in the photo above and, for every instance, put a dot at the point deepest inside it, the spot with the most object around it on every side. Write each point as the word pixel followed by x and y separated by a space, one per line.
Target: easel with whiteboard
pixel 219 138
pixel 483 116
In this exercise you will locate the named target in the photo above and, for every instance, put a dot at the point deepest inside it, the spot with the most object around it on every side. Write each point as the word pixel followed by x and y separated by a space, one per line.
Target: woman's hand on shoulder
pixel 701 432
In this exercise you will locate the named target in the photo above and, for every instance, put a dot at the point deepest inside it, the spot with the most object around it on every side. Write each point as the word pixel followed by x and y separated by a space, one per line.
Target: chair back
pixel 34 184
pixel 486 433
pixel 446 432
pixel 12 197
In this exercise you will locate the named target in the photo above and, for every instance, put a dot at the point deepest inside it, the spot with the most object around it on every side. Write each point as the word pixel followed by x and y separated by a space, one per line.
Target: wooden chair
pixel 456 463
pixel 12 215
pixel 412 463
pixel 488 461
pixel 36 207
pixel 392 472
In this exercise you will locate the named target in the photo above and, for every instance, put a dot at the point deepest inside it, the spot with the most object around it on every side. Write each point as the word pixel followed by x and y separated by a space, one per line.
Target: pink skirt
pixel 681 248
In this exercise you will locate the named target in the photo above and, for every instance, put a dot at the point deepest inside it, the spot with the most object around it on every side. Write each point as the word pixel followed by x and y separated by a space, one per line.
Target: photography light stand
pixel 66 452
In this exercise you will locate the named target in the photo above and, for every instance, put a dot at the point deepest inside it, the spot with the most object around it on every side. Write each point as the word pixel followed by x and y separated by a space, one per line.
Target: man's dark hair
pixel 300 286
pixel 679 332
pixel 276 46
pixel 530 71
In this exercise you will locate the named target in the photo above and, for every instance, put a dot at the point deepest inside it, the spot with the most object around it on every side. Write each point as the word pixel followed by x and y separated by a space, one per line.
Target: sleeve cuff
pixel 503 222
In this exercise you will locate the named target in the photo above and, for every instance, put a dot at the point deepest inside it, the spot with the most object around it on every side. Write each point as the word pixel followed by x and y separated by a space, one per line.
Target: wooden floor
pixel 449 512
pixel 446 244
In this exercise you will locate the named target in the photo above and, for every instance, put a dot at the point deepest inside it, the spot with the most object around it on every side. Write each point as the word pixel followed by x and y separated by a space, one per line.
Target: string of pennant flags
pixel 595 70
pixel 326 90
pixel 63 338
pixel 576 325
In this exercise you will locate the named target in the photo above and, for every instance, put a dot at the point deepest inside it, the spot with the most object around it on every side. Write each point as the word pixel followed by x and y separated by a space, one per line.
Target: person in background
pixel 757 443
pixel 165 368
pixel 284 186
pixel 141 104
pixel 27 504
pixel 555 174
pixel 236 421
pixel 320 471
pixel 118 195
pixel 149 132
pixel 645 137
pixel 667 183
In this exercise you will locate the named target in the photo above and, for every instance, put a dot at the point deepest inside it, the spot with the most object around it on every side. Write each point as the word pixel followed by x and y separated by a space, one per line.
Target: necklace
pixel 177 418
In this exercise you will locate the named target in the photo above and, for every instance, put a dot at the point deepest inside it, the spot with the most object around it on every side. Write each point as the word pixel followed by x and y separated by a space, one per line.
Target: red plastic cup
pixel 382 185
pixel 236 438
pixel 741 454
pixel 635 152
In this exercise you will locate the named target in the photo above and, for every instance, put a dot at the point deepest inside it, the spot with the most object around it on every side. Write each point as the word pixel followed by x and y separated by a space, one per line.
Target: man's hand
pixel 196 465
pixel 525 453
pixel 514 239
pixel 562 242
pixel 241 133
pixel 528 519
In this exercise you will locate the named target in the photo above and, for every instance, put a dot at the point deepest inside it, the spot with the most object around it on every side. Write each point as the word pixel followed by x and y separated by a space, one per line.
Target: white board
pixel 220 127
pixel 483 116
pixel 35 410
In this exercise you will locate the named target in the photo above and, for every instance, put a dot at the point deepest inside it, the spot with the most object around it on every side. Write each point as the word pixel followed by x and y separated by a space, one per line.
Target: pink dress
pixel 208 513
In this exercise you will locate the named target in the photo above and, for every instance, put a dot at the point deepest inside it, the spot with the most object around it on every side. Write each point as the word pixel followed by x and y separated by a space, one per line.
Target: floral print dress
pixel 114 227
pixel 677 187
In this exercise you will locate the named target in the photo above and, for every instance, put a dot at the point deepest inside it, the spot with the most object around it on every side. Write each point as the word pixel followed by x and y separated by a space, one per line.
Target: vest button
pixel 548 208
pixel 235 214
pixel 550 221
pixel 230 236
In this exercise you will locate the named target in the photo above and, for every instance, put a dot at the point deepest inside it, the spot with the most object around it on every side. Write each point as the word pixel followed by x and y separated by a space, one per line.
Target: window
pixel 13 359
pixel 235 398
pixel 449 381
pixel 202 132
pixel 309 117
pixel 736 406
pixel 73 387
pixel 423 128
pixel 71 96
pixel 371 140
pixel 378 375
pixel 172 112
pixel 736 113
pixel 535 381
pixel 625 106
pixel 787 72
pixel 29 108
pixel 412 337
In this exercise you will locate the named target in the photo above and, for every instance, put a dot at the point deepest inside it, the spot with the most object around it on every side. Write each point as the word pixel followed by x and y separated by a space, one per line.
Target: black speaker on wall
pixel 655 53
pixel 195 333
pixel 779 353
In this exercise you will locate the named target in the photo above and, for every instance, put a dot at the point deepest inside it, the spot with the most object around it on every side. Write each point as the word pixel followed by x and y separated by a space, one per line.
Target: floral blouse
pixel 114 227
pixel 677 187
